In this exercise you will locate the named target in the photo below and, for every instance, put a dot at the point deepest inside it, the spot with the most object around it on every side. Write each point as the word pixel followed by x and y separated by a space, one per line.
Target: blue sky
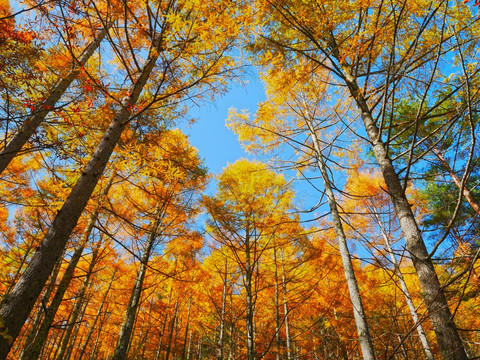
pixel 217 144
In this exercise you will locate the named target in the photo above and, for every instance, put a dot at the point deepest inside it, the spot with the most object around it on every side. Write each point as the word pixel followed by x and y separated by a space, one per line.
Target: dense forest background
pixel 351 232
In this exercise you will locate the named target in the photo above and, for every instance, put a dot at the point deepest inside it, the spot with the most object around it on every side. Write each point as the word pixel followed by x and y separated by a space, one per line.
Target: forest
pixel 350 231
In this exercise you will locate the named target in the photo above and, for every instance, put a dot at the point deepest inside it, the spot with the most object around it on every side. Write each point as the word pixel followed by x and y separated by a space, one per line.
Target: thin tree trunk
pixel 15 309
pixel 33 351
pixel 222 316
pixel 97 316
pixel 449 341
pixel 458 183
pixel 249 297
pixel 277 305
pixel 41 310
pixel 187 325
pixel 358 310
pixel 126 331
pixel 285 310
pixel 43 109
pixel 171 330
pixel 408 298
pixel 93 354
pixel 78 306
pixel 165 320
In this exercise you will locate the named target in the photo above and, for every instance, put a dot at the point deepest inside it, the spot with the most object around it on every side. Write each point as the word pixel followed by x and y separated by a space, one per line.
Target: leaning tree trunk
pixel 43 109
pixel 78 306
pixel 221 334
pixel 440 315
pixel 458 183
pixel 285 311
pixel 41 310
pixel 33 349
pixel 97 316
pixel 358 311
pixel 126 331
pixel 15 308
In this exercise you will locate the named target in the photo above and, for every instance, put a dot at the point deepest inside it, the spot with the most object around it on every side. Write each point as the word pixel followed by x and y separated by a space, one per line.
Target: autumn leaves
pixel 100 174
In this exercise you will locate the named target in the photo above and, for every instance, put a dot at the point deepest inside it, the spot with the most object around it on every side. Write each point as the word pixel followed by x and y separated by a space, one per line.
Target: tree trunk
pixel 277 305
pixel 249 268
pixel 33 350
pixel 15 308
pixel 458 183
pixel 78 306
pixel 171 330
pixel 43 109
pixel 440 315
pixel 187 325
pixel 222 316
pixel 126 331
pixel 41 310
pixel 285 310
pixel 97 316
pixel 358 310
pixel 408 298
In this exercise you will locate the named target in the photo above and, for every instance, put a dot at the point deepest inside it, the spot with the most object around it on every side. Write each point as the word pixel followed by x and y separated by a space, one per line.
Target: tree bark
pixel 32 352
pixel 449 341
pixel 458 183
pixel 15 308
pixel 78 306
pixel 97 316
pixel 126 331
pixel 408 299
pixel 358 310
pixel 222 317
pixel 43 109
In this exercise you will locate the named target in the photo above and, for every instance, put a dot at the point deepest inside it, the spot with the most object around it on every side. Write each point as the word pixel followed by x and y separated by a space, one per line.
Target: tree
pixel 378 52
pixel 186 67
pixel 246 215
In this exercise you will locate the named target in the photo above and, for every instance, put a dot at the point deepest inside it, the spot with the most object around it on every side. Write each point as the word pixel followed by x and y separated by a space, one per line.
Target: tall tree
pixel 186 68
pixel 379 51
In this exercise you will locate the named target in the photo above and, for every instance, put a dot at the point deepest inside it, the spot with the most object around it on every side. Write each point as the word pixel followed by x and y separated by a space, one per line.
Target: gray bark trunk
pixel 222 316
pixel 15 308
pixel 79 305
pixel 458 183
pixel 41 311
pixel 408 298
pixel 97 316
pixel 448 339
pixel 249 297
pixel 126 331
pixel 34 349
pixel 358 310
pixel 277 305
pixel 43 109
pixel 285 310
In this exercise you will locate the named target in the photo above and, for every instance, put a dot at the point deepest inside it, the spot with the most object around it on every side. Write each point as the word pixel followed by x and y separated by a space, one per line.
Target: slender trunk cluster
pixel 358 310
pixel 446 332
pixel 15 308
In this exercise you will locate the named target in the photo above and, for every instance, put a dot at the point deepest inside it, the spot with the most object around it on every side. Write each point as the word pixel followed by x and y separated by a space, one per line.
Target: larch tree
pixel 377 53
pixel 247 213
pixel 181 61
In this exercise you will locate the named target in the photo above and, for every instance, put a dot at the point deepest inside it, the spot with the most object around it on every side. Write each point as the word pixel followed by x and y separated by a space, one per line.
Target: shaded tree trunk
pixel 32 352
pixel 408 299
pixel 128 321
pixel 97 316
pixel 43 109
pixel 15 308
pixel 79 305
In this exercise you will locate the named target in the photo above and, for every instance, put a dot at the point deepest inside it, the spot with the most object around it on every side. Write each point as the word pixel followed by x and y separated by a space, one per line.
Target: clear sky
pixel 217 144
